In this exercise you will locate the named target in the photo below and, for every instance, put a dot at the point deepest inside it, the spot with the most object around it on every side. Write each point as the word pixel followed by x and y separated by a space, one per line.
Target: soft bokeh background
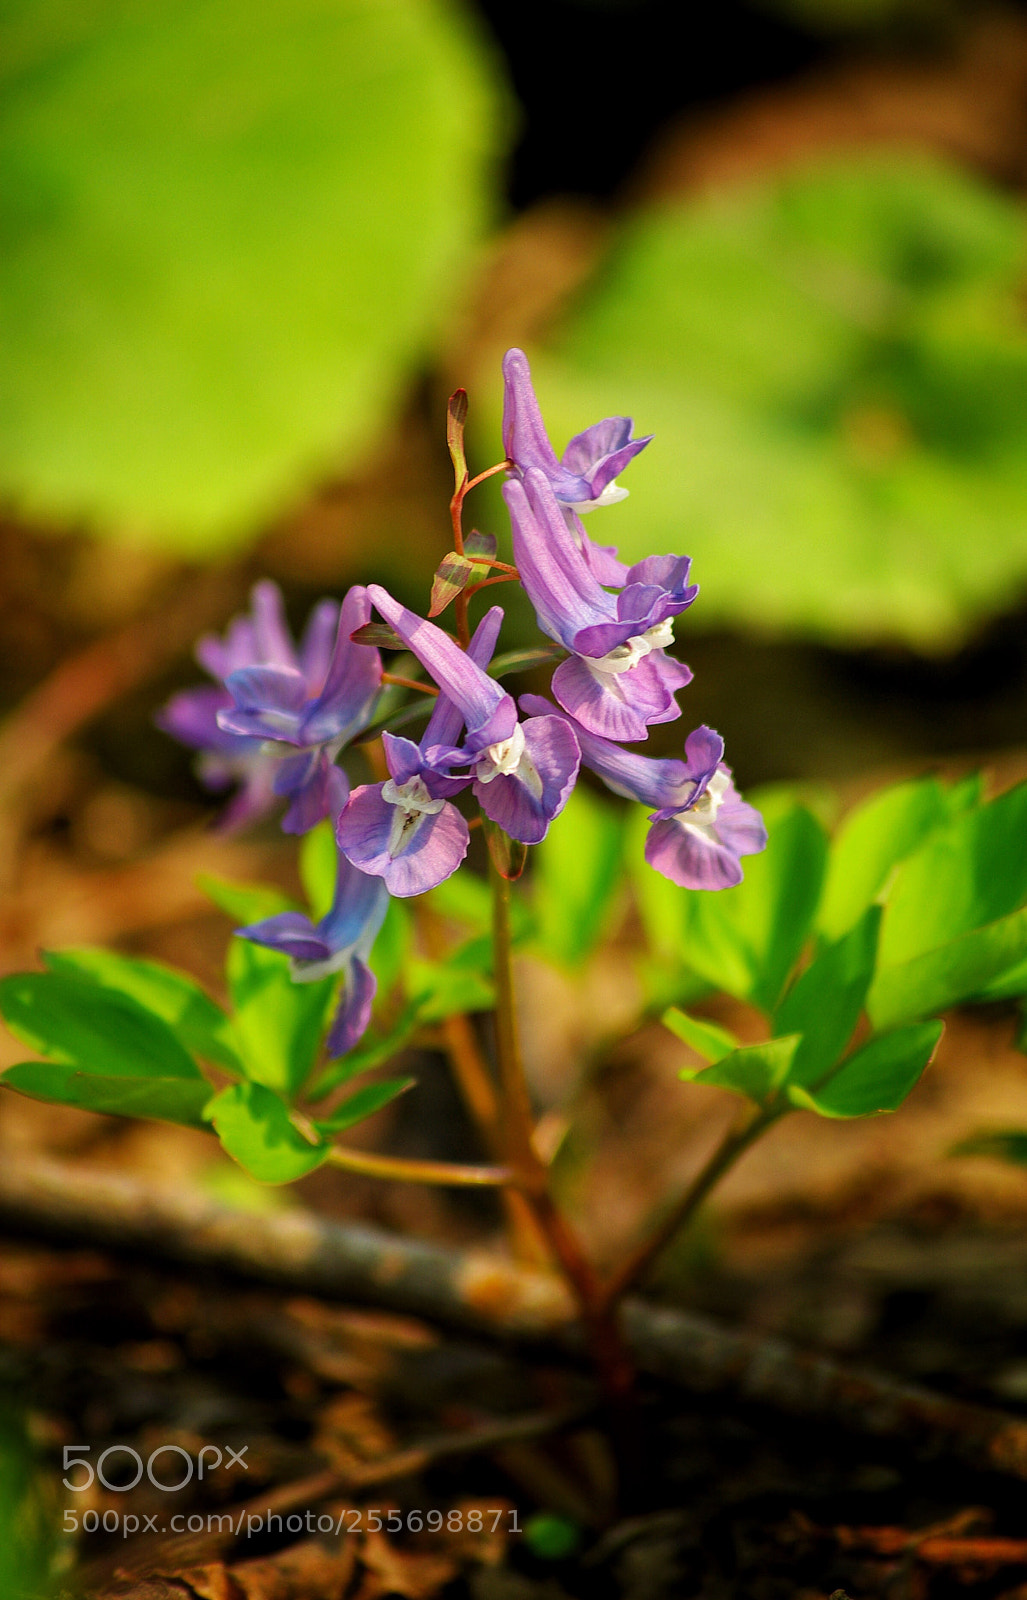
pixel 248 254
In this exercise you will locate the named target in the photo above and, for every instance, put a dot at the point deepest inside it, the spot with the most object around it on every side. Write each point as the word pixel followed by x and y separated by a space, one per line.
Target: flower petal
pixel 525 802
pixel 653 780
pixel 616 706
pixel 691 858
pixel 292 933
pixel 354 1013
pixel 353 680
pixel 431 850
pixel 487 709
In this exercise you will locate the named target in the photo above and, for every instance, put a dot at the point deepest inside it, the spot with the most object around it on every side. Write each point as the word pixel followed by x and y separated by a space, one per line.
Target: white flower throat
pixel 412 802
pixel 625 656
pixel 509 759
pixel 703 814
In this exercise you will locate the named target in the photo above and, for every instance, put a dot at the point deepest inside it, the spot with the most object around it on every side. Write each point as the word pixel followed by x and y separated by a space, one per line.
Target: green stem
pixel 734 1144
pixel 436 1172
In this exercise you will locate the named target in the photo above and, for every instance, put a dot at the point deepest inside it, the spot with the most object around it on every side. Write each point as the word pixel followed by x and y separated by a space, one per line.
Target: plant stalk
pixel 443 1173
pixel 746 1130
pixel 606 1345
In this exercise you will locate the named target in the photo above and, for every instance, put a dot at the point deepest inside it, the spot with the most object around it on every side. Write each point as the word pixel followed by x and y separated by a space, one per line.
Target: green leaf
pixel 756 1070
pixel 364 1103
pixel 1005 1144
pixel 705 1038
pixel 373 1049
pixel 227 246
pixel 245 902
pixel 441 989
pixel 874 837
pixel 200 1025
pixel 256 1128
pixel 463 897
pixel 845 335
pixel 452 576
pixel 825 1001
pixel 390 951
pixel 477 543
pixel 878 1077
pixel 662 905
pixel 318 864
pixel 747 939
pixel 576 877
pixel 526 660
pixel 967 968
pixel 163 1099
pixel 277 1024
pixel 76 1022
pixel 969 873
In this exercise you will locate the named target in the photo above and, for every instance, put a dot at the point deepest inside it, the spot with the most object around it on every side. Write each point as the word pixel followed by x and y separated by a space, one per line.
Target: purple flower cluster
pixel 278 714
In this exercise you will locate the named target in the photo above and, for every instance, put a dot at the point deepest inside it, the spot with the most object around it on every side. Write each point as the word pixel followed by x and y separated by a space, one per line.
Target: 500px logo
pixel 209 1459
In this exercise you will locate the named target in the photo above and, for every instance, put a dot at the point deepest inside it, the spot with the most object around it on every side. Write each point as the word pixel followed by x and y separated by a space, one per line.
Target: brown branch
pixel 468 1289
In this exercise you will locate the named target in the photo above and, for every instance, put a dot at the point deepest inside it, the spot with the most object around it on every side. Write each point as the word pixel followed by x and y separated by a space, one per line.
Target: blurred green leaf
pixel 834 363
pixel 872 839
pixel 244 902
pixel 165 1099
pixel 277 1024
pixel 364 1103
pixel 1005 1144
pixel 757 1070
pixel 705 1038
pixel 373 1049
pixel 256 1129
pixel 80 1024
pixel 226 244
pixel 200 1025
pixel 970 873
pixel 440 989
pixel 824 1003
pixel 318 864
pixel 576 876
pixel 30 1535
pixel 747 939
pixel 967 968
pixel 391 949
pixel 876 1078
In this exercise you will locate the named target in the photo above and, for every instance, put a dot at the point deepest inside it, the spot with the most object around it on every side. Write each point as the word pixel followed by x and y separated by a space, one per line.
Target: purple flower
pixel 700 826
pixel 258 639
pixel 306 706
pixel 405 830
pixel 619 678
pixel 585 477
pixel 521 773
pixel 340 942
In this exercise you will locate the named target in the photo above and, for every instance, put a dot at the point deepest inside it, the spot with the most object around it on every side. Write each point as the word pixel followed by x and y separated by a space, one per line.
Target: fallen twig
pixel 476 1290
pixel 308 1493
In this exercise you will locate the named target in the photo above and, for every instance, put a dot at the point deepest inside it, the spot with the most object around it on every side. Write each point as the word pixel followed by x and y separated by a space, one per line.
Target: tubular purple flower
pixel 340 942
pixel 305 709
pixel 259 639
pixel 619 678
pixel 522 772
pixel 700 827
pixel 585 477
pixel 405 830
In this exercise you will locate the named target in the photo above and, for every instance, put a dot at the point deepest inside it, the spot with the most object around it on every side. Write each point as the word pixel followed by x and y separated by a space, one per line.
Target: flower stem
pixel 609 1354
pixel 409 683
pixel 745 1131
pixel 443 1173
